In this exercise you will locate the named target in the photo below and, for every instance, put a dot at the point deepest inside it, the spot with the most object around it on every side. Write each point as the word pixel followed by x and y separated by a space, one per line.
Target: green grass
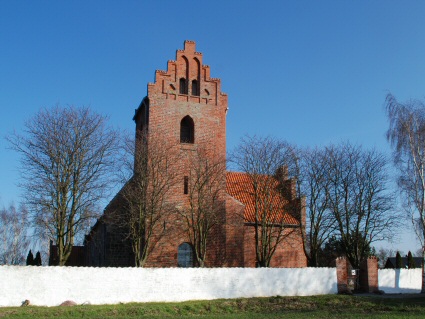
pixel 330 306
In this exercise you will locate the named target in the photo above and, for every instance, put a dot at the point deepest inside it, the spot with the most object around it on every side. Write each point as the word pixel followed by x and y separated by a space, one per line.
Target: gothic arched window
pixel 185 255
pixel 183 86
pixel 187 130
pixel 195 88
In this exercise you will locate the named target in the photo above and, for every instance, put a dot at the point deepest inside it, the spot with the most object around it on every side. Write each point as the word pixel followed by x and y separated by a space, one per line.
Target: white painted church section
pixel 50 286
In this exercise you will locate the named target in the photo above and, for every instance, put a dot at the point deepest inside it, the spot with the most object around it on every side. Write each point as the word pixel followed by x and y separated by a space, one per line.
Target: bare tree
pixel 14 236
pixel 66 157
pixel 204 186
pixel 144 197
pixel 264 161
pixel 334 247
pixel 383 254
pixel 406 134
pixel 320 222
pixel 359 199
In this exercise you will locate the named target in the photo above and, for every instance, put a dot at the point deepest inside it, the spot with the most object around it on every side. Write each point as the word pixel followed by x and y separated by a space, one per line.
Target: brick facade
pixel 185 98
pixel 289 254
pixel 342 267
pixel 369 275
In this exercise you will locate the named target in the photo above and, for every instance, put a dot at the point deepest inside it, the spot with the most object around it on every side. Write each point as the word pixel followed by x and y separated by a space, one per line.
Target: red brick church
pixel 187 107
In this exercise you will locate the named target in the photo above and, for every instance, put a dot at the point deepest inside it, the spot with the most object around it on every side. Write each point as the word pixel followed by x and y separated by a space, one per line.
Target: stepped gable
pixel 198 86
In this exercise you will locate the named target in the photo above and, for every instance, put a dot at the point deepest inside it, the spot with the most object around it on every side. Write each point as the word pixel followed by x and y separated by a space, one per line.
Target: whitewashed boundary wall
pixel 50 286
pixel 395 281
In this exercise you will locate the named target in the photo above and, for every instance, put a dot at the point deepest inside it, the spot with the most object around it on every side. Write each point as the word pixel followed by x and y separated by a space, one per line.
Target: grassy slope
pixel 274 307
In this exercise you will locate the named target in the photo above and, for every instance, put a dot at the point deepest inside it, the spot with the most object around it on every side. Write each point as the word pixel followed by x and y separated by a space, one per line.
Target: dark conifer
pixel 398 261
pixel 30 259
pixel 410 261
pixel 37 260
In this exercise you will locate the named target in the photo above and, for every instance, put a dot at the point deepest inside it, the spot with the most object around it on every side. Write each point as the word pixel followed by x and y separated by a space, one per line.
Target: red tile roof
pixel 240 186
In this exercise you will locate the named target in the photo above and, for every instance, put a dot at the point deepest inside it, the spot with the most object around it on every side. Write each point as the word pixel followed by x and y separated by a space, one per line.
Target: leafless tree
pixel 14 236
pixel 314 182
pixel 66 157
pixel 149 173
pixel 262 160
pixel 383 254
pixel 204 186
pixel 406 134
pixel 359 199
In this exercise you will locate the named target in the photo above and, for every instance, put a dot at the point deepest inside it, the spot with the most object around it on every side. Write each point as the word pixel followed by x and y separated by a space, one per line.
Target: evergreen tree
pixel 30 259
pixel 398 261
pixel 410 261
pixel 37 260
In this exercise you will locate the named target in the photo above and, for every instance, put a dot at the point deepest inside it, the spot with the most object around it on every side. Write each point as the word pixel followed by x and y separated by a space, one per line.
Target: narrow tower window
pixel 186 185
pixel 187 128
pixel 195 88
pixel 183 86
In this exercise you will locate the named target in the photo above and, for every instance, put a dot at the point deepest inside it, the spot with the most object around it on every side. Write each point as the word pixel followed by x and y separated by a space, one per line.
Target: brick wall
pixel 367 277
pixel 369 274
pixel 107 244
pixel 342 266
pixel 234 233
pixel 288 254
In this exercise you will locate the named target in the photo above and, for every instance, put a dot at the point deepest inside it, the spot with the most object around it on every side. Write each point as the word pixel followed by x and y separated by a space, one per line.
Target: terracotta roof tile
pixel 239 185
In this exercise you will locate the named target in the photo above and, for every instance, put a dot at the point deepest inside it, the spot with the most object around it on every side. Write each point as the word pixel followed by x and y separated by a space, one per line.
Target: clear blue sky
pixel 310 72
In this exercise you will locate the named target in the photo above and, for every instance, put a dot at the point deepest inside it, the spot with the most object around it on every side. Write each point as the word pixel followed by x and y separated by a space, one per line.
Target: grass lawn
pixel 330 306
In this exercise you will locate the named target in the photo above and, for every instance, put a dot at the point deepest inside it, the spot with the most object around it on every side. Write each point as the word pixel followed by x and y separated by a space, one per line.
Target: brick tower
pixel 186 107
pixel 185 103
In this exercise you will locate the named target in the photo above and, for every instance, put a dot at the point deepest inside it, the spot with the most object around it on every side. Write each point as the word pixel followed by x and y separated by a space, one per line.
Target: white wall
pixel 394 281
pixel 50 286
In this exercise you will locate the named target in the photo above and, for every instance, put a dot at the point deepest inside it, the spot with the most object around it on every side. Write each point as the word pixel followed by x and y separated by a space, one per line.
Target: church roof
pixel 239 186
pixel 392 262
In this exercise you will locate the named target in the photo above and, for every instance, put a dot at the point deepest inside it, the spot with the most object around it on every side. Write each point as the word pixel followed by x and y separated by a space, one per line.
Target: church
pixel 187 109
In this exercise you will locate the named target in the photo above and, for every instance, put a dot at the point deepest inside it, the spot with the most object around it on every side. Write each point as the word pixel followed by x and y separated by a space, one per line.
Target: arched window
pixel 195 88
pixel 183 86
pixel 185 255
pixel 187 130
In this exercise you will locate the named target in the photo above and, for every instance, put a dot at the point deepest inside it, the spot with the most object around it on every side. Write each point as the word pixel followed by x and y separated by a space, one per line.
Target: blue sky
pixel 310 72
